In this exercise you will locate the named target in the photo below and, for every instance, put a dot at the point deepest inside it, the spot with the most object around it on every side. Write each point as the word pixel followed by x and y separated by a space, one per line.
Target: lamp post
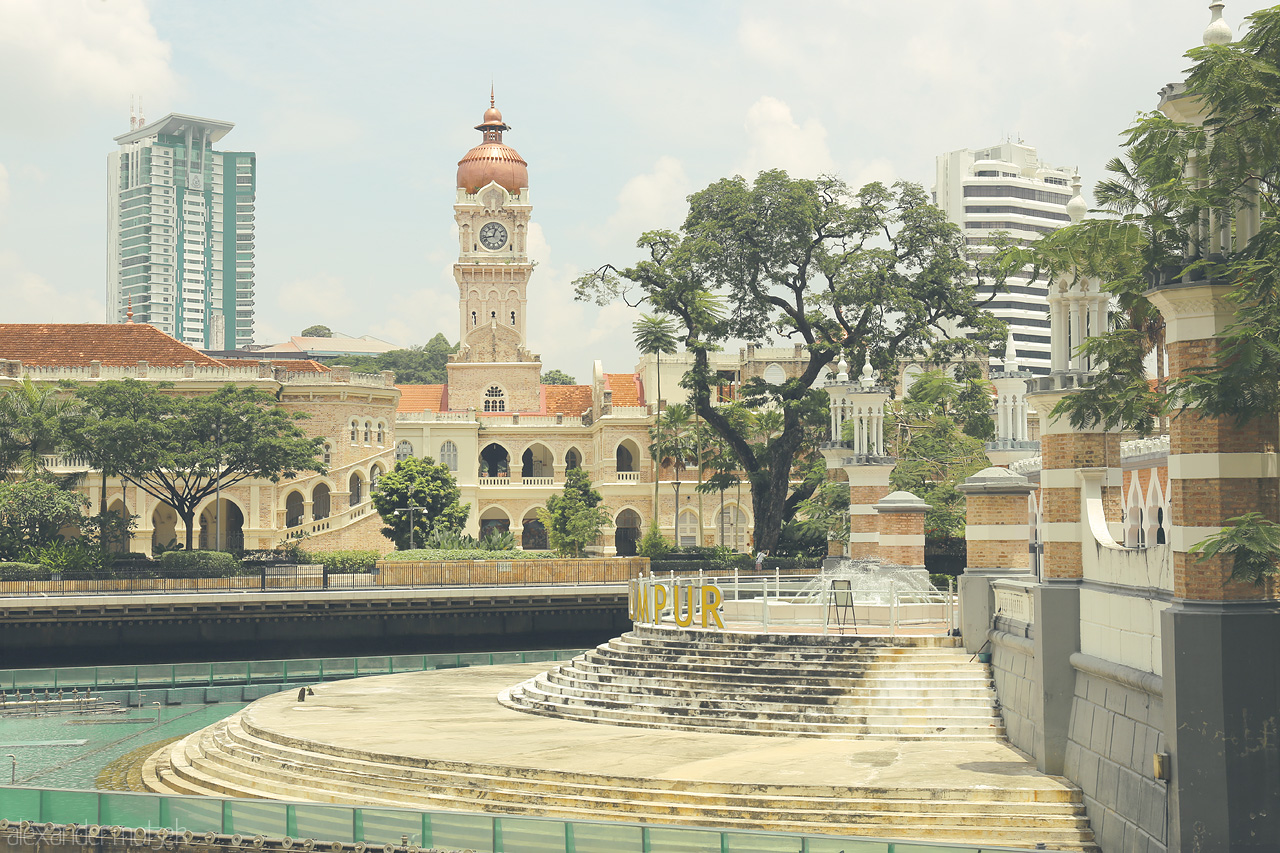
pixel 411 510
pixel 13 770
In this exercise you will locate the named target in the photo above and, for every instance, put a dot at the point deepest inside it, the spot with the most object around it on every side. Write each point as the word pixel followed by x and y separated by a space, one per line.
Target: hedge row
pixel 435 554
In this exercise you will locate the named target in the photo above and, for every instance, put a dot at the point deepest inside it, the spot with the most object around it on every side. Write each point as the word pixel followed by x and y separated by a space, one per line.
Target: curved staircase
pixel 235 758
pixel 905 688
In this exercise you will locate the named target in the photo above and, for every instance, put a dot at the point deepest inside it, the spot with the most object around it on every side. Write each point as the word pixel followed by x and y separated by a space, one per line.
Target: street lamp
pixel 411 510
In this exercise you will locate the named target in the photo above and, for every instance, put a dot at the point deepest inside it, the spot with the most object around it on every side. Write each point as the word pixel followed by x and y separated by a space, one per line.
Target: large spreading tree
pixel 879 271
pixel 184 450
pixel 419 365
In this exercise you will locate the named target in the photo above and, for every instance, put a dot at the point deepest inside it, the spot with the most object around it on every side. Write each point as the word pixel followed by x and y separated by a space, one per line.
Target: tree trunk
pixel 657 416
pixel 102 513
pixel 189 519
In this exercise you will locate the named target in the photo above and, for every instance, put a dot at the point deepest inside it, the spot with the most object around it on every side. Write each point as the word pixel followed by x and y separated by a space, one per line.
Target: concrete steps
pixel 232 758
pixel 919 688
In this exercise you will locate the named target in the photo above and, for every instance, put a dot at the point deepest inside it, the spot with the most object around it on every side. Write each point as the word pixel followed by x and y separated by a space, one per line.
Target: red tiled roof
pixel 625 388
pixel 77 344
pixel 567 399
pixel 420 398
pixel 297 365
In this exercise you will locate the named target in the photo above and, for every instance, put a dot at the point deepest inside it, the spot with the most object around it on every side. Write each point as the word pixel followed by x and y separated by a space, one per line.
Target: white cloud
pixel 776 141
pixel 653 200
pixel 71 54
pixel 28 297
pixel 4 184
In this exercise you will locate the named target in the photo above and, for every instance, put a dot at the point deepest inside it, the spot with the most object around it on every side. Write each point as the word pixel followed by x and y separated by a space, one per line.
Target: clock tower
pixel 493 369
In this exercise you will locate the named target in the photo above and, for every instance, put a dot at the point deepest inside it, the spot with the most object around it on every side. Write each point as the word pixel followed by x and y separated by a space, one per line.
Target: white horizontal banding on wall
pixel 1212 466
pixel 862 509
pixel 864 537
pixel 997 532
pixel 1061 531
pixel 1181 538
pixel 902 539
pixel 1059 478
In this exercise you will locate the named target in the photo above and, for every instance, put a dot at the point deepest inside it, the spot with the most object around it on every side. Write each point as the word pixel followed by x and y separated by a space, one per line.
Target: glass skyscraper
pixel 180 224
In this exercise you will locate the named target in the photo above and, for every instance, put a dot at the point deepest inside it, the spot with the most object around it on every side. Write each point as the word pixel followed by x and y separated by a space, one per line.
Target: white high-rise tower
pixel 180 232
pixel 1007 188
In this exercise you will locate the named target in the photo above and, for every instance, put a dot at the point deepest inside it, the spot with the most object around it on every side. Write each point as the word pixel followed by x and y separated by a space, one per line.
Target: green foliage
pixel 653 543
pixel 418 483
pixel 446 539
pixel 930 433
pixel 557 377
pixel 1254 542
pixel 437 555
pixel 419 365
pixel 498 540
pixel 880 271
pixel 32 514
pixel 200 564
pixel 32 425
pixel 23 572
pixel 358 562
pixel 802 538
pixel 317 332
pixel 71 558
pixel 828 511
pixel 182 450
pixel 573 518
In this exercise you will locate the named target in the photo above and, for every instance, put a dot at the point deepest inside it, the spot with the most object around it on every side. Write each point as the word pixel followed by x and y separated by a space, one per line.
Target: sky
pixel 359 112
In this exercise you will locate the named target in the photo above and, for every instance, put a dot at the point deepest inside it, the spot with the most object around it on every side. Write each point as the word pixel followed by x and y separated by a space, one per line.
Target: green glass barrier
pixel 151 676
pixel 397 827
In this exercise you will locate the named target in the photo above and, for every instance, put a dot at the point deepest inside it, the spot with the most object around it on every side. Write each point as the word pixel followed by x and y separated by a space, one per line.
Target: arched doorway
pixel 536 462
pixel 628 456
pixel 356 486
pixel 534 535
pixel 164 527
pixel 495 461
pixel 572 459
pixel 627 533
pixel 493 520
pixel 222 527
pixel 293 509
pixel 117 538
pixel 320 504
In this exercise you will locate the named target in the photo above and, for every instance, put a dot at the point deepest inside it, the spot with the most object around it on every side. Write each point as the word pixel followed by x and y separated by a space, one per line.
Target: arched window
pixel 357 489
pixel 404 450
pixel 449 455
pixel 774 374
pixel 375 474
pixel 473 318
pixel 572 460
pixel 368 432
pixel 355 430
pixel 733 522
pixel 495 400
pixel 382 433
pixel 513 318
pixel 328 454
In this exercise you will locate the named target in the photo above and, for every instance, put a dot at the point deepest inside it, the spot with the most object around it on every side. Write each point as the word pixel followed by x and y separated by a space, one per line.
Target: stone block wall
pixel 1012 666
pixel 468 572
pixel 1115 730
pixel 363 535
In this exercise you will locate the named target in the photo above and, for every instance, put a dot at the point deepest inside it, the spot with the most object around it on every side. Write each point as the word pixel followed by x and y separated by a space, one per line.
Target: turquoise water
pixel 49 757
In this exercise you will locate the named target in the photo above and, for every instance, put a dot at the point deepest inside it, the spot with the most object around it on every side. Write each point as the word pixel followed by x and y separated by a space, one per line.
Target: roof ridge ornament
pixel 1218 31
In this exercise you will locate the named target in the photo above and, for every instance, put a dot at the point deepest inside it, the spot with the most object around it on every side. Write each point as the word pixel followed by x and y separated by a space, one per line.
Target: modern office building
pixel 1007 188
pixel 180 226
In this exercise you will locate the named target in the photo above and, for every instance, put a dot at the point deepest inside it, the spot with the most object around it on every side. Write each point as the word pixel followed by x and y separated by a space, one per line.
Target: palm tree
pixel 655 335
pixel 31 427
pixel 672 439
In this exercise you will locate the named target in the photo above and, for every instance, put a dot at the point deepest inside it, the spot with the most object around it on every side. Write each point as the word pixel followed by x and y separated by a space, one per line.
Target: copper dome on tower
pixel 492 160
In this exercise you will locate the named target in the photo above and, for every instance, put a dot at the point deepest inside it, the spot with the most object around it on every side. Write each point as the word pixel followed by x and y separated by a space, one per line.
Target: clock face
pixel 493 235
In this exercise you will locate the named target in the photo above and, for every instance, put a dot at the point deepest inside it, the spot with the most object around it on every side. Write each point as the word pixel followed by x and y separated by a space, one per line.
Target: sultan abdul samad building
pixel 508 438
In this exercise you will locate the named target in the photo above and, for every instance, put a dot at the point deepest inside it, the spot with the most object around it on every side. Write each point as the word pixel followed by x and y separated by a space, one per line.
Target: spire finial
pixel 1010 354
pixel 491 102
pixel 129 315
pixel 868 377
pixel 1076 208
pixel 1218 31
